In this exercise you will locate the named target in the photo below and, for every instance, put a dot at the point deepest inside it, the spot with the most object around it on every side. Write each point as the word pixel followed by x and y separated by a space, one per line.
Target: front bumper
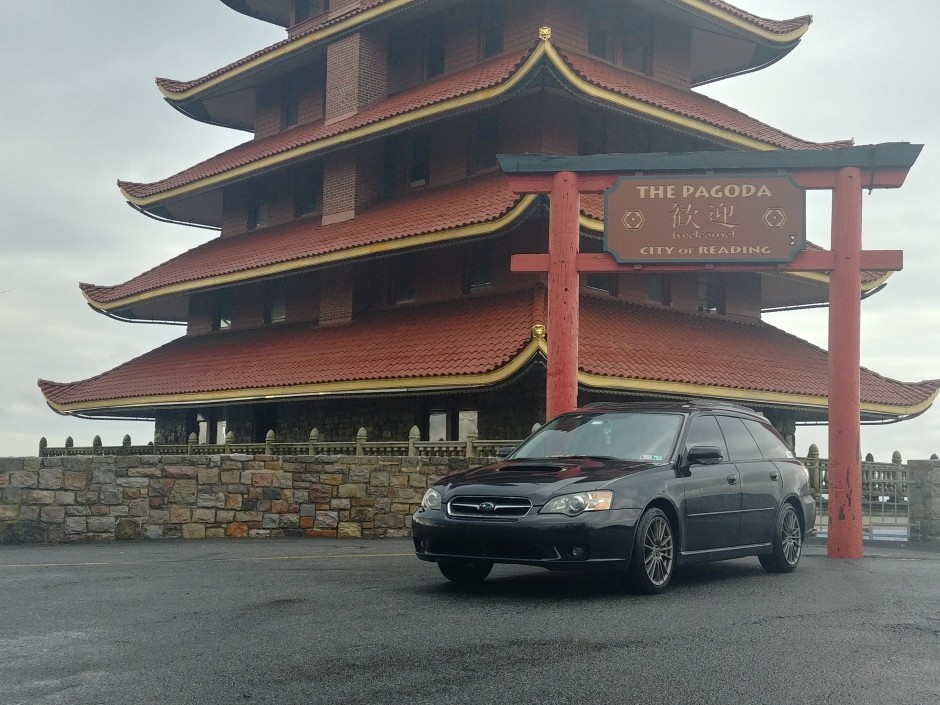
pixel 592 540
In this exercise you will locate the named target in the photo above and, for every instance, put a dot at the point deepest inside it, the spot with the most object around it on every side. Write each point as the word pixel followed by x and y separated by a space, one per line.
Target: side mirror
pixel 503 451
pixel 703 455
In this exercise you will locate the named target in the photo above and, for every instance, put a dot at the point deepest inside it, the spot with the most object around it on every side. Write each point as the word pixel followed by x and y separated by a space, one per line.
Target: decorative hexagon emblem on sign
pixel 775 217
pixel 633 220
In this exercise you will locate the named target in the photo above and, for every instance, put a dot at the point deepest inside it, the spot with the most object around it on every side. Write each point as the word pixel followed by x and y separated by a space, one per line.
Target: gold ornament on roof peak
pixel 545 33
pixel 538 331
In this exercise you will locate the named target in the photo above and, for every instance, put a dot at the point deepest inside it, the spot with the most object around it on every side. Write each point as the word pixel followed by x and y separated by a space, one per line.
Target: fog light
pixel 577 552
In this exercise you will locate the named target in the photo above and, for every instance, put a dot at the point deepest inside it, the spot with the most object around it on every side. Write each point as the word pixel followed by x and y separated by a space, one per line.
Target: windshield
pixel 625 436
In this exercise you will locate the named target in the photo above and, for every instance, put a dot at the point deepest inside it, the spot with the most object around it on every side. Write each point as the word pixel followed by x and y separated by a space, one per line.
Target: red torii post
pixel 846 172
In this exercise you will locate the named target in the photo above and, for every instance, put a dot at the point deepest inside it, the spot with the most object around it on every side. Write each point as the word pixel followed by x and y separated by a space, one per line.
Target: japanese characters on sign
pixel 741 219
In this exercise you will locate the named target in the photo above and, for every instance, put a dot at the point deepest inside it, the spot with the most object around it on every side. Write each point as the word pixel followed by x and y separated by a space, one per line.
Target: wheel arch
pixel 794 502
pixel 672 513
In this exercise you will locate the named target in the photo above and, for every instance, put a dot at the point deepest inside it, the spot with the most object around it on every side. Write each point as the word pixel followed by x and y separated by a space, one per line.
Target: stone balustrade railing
pixel 68 495
pixel 414 447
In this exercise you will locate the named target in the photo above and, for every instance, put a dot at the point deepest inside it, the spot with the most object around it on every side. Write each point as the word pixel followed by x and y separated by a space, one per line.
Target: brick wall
pixel 86 498
pixel 356 74
pixel 336 296
pixel 339 186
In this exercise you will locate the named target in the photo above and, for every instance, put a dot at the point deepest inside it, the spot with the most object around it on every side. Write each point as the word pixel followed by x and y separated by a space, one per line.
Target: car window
pixel 770 443
pixel 705 432
pixel 626 436
pixel 741 444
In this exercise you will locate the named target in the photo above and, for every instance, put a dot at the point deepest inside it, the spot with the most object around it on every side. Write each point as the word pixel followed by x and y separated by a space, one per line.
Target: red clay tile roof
pixel 634 342
pixel 473 80
pixel 467 337
pixel 618 341
pixel 470 202
pixel 171 86
pixel 686 103
pixel 781 27
pixel 682 103
pixel 775 26
pixel 467 202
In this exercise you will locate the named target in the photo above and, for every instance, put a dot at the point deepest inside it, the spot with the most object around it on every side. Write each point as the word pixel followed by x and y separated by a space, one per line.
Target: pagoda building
pixel 361 275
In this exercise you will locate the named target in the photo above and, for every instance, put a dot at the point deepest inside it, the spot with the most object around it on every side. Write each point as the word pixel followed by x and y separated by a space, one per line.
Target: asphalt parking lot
pixel 323 621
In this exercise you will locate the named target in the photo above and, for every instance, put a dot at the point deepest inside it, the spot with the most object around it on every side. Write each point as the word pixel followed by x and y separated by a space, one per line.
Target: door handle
pixel 774 474
pixel 732 479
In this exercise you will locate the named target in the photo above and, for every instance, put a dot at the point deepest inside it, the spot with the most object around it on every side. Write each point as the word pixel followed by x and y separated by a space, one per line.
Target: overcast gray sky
pixel 80 110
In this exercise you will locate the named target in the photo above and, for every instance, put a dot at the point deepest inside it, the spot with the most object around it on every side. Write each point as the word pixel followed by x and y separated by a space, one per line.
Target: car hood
pixel 540 479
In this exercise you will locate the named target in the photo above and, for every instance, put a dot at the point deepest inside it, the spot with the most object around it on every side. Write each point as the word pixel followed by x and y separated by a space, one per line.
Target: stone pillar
pixel 924 499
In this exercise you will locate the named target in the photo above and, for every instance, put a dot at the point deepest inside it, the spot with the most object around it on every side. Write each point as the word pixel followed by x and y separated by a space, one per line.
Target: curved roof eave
pixel 242 7
pixel 785 33
pixel 514 215
pixel 745 395
pixel 179 91
pixel 536 347
pixel 544 50
pixel 623 347
pixel 417 385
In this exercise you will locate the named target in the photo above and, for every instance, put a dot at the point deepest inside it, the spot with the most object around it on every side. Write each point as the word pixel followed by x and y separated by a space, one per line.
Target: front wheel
pixel 788 543
pixel 465 572
pixel 654 553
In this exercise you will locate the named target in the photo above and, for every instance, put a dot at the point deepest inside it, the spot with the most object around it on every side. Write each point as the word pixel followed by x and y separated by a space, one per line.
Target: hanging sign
pixel 741 219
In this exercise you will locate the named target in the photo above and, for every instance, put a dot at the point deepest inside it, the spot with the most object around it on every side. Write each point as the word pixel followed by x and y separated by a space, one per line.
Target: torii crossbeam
pixel 846 172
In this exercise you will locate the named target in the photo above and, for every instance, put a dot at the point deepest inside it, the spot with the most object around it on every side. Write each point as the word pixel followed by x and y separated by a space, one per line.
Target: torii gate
pixel 845 172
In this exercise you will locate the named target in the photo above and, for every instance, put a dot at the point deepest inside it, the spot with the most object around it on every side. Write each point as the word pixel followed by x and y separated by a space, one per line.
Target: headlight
pixel 431 500
pixel 573 504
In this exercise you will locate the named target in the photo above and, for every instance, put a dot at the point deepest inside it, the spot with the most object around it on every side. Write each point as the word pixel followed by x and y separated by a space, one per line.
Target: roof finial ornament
pixel 538 331
pixel 545 33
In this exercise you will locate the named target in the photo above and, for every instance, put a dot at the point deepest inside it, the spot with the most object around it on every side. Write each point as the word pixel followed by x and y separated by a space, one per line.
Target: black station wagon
pixel 637 489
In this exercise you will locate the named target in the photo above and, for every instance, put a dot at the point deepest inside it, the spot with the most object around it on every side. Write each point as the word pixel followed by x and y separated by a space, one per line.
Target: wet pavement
pixel 326 621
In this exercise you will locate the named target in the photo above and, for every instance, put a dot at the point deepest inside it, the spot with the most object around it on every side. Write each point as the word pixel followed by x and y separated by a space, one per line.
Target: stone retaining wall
pixel 924 499
pixel 91 498
pixel 106 497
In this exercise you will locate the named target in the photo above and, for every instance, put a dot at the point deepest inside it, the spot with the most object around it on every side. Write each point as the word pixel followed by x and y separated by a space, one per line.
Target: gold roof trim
pixel 409 384
pixel 544 49
pixel 289 266
pixel 289 47
pixel 742 395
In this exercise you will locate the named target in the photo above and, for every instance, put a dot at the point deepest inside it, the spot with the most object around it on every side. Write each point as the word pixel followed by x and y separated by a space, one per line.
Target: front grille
pixel 488 507
pixel 493 549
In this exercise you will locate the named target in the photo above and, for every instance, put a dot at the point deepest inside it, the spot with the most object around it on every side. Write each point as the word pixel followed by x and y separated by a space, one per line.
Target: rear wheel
pixel 654 553
pixel 465 572
pixel 788 543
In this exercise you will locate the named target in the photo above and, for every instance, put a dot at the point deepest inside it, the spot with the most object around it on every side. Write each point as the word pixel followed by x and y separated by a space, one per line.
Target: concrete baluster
pixel 269 439
pixel 312 442
pixel 361 438
pixel 472 437
pixel 812 464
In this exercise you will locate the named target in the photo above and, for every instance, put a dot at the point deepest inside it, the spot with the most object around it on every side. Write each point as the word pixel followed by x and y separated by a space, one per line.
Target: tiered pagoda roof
pixel 479 86
pixel 479 340
pixel 726 41
pixel 466 209
pixel 482 341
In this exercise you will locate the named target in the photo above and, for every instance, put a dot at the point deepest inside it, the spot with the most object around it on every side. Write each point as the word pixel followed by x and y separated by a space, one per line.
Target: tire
pixel 465 572
pixel 654 553
pixel 788 543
